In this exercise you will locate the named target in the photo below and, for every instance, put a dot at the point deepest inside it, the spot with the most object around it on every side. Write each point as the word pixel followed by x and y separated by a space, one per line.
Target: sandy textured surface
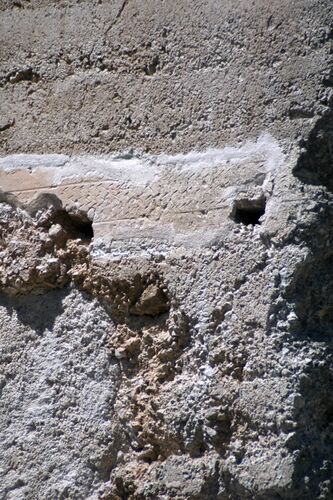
pixel 166 307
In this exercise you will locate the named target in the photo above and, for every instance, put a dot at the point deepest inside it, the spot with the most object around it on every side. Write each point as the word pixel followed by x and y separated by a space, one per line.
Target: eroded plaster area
pixel 166 250
pixel 180 199
pixel 159 305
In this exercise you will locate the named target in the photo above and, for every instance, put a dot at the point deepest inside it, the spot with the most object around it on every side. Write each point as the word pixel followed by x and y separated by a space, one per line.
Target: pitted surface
pixel 166 250
pixel 159 76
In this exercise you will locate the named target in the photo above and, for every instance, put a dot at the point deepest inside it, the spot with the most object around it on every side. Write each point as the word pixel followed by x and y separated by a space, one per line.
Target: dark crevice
pixel 118 16
pixel 20 75
pixel 77 225
pixel 248 212
pixel 328 78
pixel 151 67
pixel 24 75
pixel 5 125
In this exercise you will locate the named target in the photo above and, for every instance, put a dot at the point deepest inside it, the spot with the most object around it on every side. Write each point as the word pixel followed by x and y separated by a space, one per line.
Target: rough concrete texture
pixel 159 75
pixel 166 235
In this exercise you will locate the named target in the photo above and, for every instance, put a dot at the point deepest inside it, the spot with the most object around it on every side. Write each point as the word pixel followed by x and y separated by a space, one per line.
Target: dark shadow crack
pixel 120 12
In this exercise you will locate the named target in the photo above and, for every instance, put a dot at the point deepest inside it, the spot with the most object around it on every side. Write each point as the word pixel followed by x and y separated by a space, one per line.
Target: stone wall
pixel 166 250
pixel 159 76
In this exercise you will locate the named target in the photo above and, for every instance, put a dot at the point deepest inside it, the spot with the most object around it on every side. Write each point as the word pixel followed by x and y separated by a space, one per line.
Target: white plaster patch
pixel 182 199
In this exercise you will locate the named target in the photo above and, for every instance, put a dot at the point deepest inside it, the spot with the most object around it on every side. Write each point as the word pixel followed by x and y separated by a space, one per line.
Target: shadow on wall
pixel 315 164
pixel 311 294
pixel 312 286
pixel 39 312
pixel 313 438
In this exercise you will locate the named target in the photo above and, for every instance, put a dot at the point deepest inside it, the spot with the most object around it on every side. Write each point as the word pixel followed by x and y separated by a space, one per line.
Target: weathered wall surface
pixel 166 250
pixel 158 75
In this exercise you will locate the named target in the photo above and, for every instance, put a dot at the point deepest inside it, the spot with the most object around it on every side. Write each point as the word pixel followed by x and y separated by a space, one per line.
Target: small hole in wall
pixel 77 225
pixel 151 67
pixel 248 211
pixel 75 222
pixel 83 225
